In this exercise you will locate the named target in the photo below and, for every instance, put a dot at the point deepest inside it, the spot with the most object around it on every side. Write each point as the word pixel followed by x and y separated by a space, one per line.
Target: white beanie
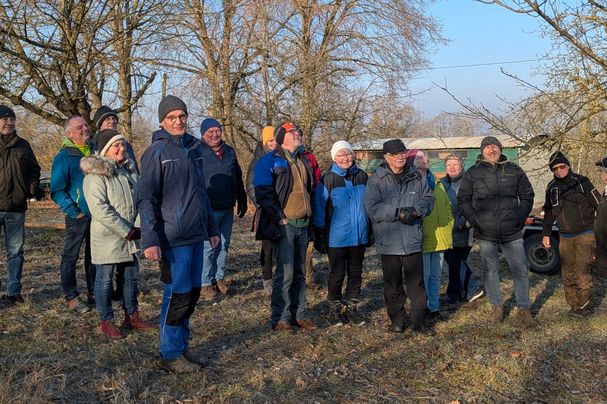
pixel 340 145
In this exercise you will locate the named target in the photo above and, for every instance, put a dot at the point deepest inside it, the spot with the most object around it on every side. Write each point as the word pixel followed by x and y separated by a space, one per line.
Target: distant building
pixel 534 161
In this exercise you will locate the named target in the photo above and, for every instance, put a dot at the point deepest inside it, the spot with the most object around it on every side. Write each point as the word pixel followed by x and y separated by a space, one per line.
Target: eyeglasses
pixel 397 154
pixel 559 167
pixel 344 156
pixel 181 117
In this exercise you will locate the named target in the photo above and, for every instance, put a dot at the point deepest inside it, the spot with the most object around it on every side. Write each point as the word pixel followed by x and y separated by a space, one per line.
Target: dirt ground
pixel 48 353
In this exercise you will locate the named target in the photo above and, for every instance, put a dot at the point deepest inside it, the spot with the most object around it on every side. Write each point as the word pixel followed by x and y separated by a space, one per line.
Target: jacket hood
pixel 103 166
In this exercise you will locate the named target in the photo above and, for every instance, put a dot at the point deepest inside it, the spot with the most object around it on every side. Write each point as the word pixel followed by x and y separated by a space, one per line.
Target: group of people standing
pixel 177 208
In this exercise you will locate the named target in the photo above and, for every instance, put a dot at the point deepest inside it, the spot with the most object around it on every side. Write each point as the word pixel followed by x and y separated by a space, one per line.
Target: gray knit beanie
pixel 169 104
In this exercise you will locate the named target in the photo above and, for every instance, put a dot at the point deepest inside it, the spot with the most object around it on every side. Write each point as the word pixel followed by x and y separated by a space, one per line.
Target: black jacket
pixel 572 201
pixel 223 177
pixel 273 183
pixel 496 199
pixel 20 173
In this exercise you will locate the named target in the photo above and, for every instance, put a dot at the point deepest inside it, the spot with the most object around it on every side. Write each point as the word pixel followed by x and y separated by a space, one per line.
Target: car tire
pixel 542 260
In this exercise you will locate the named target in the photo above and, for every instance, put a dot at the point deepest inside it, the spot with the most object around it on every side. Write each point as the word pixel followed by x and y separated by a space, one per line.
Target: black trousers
pixel 457 287
pixel 342 261
pixel 393 267
pixel 265 259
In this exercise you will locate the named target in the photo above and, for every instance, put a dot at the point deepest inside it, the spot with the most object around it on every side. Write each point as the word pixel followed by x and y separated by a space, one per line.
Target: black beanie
pixel 102 113
pixel 557 158
pixel 169 104
pixel 105 138
pixel 6 112
pixel 490 140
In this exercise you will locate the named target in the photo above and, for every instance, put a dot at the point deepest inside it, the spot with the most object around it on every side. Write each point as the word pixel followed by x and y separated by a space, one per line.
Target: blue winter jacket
pixel 339 206
pixel 172 199
pixel 66 181
pixel 223 177
pixel 385 194
pixel 461 232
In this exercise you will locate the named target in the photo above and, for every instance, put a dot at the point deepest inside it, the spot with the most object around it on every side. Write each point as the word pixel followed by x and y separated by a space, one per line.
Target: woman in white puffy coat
pixel 108 186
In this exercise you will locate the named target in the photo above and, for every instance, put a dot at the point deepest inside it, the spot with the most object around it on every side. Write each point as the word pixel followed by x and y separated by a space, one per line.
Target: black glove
pixel 407 215
pixel 134 234
pixel 241 209
pixel 320 240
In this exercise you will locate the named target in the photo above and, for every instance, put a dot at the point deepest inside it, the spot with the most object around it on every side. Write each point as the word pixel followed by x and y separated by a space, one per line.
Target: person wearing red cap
pixel 283 181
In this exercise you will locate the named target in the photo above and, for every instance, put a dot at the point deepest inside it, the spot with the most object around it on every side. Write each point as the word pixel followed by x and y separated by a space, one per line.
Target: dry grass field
pixel 49 354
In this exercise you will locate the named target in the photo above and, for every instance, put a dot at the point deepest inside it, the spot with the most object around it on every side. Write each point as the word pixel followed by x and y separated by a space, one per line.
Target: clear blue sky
pixel 478 34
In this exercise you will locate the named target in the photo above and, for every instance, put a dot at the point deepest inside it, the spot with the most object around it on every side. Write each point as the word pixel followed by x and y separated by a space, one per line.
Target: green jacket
pixel 438 225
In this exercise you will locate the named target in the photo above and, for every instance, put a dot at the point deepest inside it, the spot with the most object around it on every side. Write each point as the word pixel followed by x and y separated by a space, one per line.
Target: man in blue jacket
pixel 225 189
pixel 176 220
pixel 396 200
pixel 66 191
pixel 283 190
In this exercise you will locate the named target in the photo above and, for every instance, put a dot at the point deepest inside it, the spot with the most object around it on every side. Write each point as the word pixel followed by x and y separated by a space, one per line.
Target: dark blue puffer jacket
pixel 172 199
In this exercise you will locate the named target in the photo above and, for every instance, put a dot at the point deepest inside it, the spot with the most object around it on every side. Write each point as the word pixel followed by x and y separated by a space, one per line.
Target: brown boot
pixel 207 292
pixel 109 329
pixel 136 322
pixel 497 314
pixel 179 365
pixel 222 287
pixel 525 317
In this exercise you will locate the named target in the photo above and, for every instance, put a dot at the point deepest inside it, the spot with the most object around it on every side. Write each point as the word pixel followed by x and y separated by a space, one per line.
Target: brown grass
pixel 49 354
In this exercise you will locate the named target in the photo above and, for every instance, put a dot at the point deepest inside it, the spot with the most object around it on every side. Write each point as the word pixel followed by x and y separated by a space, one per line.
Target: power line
pixel 509 62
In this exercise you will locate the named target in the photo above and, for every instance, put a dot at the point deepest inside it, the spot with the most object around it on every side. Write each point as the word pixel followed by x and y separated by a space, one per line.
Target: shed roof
pixel 438 143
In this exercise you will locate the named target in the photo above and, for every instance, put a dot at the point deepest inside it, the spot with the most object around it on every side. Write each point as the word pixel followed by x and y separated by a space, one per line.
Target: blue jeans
pixel 13 224
pixel 76 231
pixel 433 264
pixel 215 259
pixel 289 288
pixel 127 284
pixel 179 298
pixel 514 252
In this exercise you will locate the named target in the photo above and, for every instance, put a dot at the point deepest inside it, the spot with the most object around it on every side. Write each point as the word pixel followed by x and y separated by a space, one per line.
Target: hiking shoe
pixel 307 325
pixel 423 329
pixel 207 292
pixel 14 299
pixel 109 329
pixel 267 287
pixel 397 326
pixel 222 287
pixel 90 300
pixel 338 314
pixel 497 314
pixel 525 317
pixel 179 365
pixel 580 313
pixel 354 315
pixel 136 322
pixel 78 306
pixel 282 325
pixel 203 362
pixel 433 316
pixel 477 295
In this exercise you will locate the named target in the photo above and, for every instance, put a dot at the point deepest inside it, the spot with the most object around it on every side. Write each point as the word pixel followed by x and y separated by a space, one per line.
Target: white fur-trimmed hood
pixel 103 166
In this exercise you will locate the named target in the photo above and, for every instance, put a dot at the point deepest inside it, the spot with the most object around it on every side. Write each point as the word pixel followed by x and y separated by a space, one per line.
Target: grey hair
pixel 66 123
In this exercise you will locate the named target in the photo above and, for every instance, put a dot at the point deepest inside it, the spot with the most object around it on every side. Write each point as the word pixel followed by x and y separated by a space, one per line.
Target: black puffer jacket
pixel 572 201
pixel 20 173
pixel 496 199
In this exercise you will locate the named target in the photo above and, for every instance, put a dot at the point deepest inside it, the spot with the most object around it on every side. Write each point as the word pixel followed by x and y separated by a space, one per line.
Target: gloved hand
pixel 134 234
pixel 241 210
pixel 320 240
pixel 39 194
pixel 407 215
